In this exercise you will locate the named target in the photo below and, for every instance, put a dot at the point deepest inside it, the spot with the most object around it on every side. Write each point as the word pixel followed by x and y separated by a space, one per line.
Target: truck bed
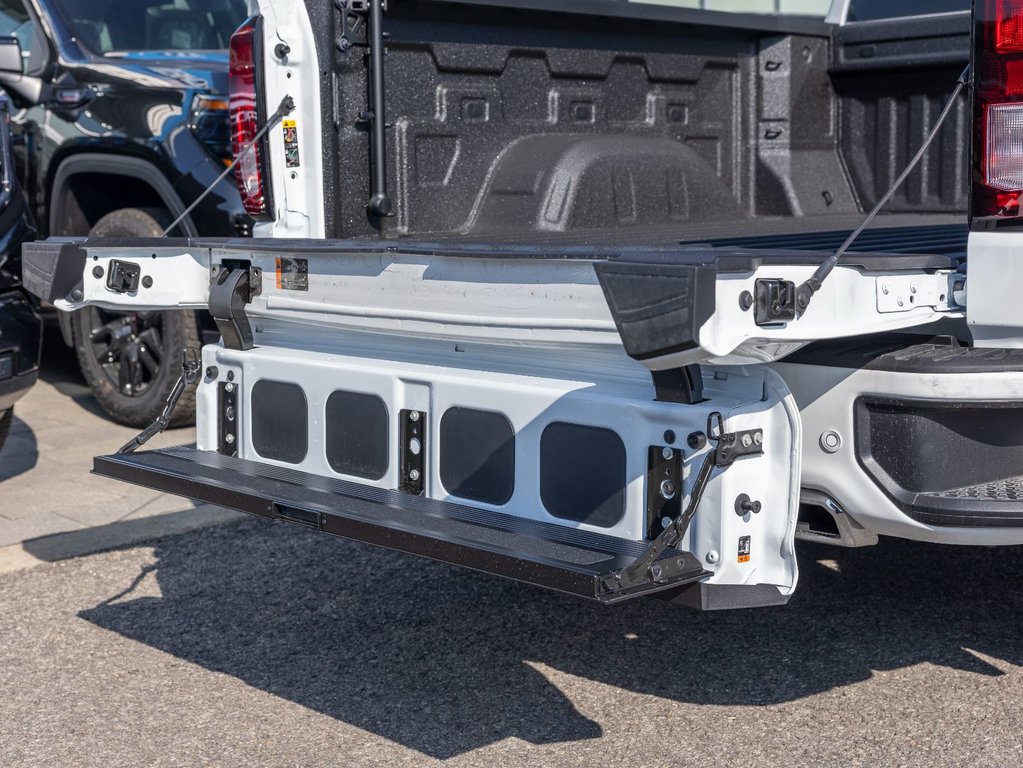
pixel 612 123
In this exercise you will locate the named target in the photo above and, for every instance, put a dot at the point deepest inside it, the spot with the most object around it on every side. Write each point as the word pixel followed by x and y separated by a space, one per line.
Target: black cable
pixel 806 291
pixel 287 106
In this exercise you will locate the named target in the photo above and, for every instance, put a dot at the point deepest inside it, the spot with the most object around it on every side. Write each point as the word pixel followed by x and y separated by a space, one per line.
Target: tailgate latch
pixel 774 301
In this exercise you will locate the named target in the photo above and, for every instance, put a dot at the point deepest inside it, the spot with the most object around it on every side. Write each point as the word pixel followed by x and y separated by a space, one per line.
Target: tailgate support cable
pixel 189 375
pixel 286 107
pixel 650 566
pixel 806 291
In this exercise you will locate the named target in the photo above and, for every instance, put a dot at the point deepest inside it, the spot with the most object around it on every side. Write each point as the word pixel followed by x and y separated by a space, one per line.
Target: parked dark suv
pixel 20 326
pixel 120 121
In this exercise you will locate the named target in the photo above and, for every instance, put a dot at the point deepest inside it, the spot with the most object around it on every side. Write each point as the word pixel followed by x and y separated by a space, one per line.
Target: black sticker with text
pixel 292 274
pixel 744 546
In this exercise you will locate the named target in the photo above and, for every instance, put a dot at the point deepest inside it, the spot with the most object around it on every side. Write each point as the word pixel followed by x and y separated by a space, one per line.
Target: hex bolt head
pixel 147 282
pixel 229 439
pixel 229 387
pixel 97 271
pixel 758 438
pixel 746 440
pixel 656 571
pixel 665 521
pixel 667 453
pixel 667 489
pixel 413 475
pixel 696 440
pixel 413 416
pixel 713 556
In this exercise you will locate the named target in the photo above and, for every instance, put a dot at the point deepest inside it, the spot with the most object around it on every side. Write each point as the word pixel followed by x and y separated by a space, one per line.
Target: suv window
pixel 872 10
pixel 108 26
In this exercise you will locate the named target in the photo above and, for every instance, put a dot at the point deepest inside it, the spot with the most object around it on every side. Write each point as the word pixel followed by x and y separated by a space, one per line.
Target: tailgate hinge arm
pixel 650 567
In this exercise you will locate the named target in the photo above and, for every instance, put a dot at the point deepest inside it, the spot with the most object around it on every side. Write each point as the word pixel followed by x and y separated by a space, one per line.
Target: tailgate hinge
pixel 650 567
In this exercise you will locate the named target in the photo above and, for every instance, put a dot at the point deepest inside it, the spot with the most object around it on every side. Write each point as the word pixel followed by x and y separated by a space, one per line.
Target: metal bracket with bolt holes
pixel 652 566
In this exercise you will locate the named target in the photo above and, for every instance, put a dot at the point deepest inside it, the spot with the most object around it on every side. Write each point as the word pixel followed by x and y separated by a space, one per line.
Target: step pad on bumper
pixel 548 555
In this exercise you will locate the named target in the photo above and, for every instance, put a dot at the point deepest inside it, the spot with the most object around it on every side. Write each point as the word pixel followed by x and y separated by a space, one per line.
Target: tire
pixel 132 360
pixel 6 417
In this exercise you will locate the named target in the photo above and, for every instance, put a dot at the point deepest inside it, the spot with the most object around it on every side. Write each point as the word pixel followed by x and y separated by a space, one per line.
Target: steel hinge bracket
pixel 654 566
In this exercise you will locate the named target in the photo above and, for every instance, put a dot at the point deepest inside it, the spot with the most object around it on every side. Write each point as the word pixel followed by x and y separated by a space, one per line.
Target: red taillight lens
pixel 245 117
pixel 1008 21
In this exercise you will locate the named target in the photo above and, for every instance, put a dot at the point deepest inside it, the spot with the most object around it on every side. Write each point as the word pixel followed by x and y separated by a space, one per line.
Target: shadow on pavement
pixel 442 660
pixel 97 538
pixel 60 368
pixel 20 453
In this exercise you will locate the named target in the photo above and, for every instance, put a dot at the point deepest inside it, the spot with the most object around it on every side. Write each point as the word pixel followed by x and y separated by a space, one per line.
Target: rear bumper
pixel 921 441
pixel 20 346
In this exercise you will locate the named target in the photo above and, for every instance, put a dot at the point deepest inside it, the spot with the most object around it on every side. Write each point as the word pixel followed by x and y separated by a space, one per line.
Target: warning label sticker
pixel 291 143
pixel 744 545
pixel 292 274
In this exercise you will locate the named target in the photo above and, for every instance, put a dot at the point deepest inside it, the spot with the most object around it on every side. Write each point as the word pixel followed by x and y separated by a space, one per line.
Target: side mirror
pixel 11 61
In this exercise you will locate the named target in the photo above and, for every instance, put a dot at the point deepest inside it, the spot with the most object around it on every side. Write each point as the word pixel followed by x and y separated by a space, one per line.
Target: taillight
pixel 998 112
pixel 247 114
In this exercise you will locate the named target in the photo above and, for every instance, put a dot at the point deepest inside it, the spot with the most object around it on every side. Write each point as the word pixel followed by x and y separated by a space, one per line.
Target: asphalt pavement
pixel 257 643
pixel 250 643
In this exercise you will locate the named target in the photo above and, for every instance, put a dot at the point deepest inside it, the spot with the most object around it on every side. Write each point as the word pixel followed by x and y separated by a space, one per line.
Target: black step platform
pixel 553 556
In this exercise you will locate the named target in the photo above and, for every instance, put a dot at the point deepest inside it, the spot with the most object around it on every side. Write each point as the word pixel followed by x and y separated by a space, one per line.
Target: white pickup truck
pixel 533 293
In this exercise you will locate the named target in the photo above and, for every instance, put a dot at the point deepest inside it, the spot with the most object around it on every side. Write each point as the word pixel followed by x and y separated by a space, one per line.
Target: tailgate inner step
pixel 554 556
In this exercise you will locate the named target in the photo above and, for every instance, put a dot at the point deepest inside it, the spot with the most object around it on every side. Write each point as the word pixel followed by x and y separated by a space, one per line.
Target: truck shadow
pixel 20 453
pixel 445 661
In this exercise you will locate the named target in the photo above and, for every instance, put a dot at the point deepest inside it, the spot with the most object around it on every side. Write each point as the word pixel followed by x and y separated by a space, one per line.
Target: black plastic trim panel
pixel 945 463
pixel 553 556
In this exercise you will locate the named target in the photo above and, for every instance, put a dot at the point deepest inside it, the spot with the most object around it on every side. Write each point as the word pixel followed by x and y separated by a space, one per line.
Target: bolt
pixel 744 505
pixel 281 50
pixel 667 453
pixel 665 521
pixel 413 416
pixel 746 440
pixel 229 387
pixel 229 439
pixel 656 571
pixel 745 301
pixel 75 295
pixel 147 282
pixel 696 440
pixel 413 475
pixel 667 489
pixel 97 271
pixel 669 436
pixel 713 556
pixel 229 413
